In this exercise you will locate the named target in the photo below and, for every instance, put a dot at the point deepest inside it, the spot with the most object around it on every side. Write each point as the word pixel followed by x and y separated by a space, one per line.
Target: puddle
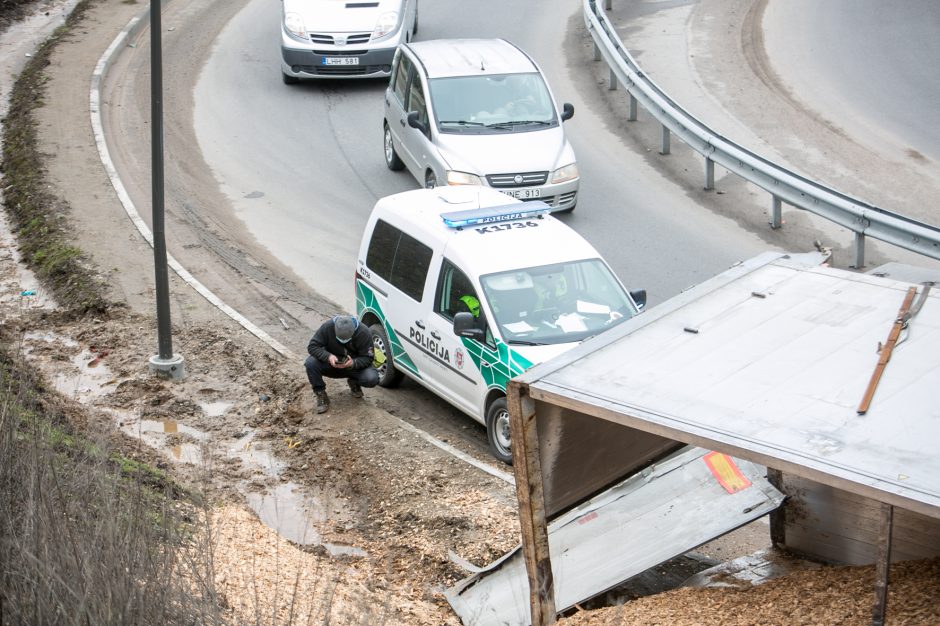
pixel 91 379
pixel 89 382
pixel 257 456
pixel 49 338
pixel 294 513
pixel 215 409
pixel 155 433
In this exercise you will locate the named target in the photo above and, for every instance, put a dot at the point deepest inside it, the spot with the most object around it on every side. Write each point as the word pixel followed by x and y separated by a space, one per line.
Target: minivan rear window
pixel 399 258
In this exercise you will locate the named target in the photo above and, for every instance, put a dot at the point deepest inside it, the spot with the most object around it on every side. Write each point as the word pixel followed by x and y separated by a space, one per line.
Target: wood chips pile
pixel 830 595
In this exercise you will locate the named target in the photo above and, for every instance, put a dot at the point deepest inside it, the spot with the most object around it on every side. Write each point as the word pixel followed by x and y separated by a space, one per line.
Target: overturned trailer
pixel 825 377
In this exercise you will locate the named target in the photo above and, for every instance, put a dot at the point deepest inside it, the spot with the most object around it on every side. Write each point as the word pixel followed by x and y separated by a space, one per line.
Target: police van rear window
pixel 399 258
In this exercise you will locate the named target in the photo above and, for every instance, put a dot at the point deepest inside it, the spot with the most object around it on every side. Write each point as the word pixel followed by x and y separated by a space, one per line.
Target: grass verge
pixel 39 219
pixel 88 536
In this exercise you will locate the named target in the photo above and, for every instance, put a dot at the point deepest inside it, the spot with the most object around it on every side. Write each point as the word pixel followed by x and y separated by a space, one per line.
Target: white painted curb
pixel 123 39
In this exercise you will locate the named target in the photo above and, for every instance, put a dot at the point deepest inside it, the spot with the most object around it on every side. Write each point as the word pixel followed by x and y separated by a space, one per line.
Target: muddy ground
pixel 368 512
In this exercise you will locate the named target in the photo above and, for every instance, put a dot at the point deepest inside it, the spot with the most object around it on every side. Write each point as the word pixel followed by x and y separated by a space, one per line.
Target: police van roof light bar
pixel 494 214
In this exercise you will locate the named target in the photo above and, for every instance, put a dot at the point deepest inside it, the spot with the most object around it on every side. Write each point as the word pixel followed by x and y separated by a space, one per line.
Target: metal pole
pixel 859 251
pixel 776 212
pixel 709 174
pixel 165 362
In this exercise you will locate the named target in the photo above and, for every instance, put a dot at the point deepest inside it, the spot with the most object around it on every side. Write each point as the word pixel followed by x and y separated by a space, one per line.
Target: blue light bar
pixel 494 214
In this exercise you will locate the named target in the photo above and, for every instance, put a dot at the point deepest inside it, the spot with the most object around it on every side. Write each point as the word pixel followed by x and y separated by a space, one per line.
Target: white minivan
pixel 465 288
pixel 478 112
pixel 335 39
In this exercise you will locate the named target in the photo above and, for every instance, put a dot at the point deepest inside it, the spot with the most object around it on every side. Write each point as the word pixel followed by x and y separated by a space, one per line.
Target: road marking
pixel 466 458
pixel 120 42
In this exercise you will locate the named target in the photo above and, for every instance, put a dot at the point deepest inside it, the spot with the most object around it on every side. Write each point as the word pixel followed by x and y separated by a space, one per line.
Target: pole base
pixel 167 368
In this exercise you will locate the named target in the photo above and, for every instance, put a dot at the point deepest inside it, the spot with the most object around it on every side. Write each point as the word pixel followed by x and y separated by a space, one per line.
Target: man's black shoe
pixel 354 388
pixel 323 401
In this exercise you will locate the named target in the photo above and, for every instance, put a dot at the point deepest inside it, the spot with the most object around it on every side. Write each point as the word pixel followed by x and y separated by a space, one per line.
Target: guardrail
pixel 864 219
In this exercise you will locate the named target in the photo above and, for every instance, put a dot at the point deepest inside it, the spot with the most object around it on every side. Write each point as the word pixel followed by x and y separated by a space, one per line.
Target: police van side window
pixel 399 258
pixel 382 248
pixel 455 294
pixel 410 268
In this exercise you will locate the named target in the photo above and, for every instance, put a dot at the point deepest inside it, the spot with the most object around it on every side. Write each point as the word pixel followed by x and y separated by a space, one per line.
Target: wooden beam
pixel 530 495
pixel 778 519
pixel 883 566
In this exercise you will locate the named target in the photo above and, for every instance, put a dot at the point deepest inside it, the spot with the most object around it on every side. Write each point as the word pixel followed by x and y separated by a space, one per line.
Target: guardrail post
pixel 776 217
pixel 633 108
pixel 597 52
pixel 709 174
pixel 613 80
pixel 859 251
pixel 667 136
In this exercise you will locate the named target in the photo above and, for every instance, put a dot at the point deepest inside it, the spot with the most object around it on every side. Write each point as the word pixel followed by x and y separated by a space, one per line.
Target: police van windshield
pixel 559 303
pixel 499 103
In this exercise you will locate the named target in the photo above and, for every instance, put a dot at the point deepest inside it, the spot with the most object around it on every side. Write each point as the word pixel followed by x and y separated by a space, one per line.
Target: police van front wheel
pixel 497 430
pixel 382 359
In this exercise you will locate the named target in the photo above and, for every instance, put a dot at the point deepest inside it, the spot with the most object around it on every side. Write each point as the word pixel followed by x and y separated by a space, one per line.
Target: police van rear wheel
pixel 388 375
pixel 497 430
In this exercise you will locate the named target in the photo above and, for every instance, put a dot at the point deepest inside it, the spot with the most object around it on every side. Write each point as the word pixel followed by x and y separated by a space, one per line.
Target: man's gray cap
pixel 344 326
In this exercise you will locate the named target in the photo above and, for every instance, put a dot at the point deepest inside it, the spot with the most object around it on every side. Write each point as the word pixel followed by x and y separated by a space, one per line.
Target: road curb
pixel 124 39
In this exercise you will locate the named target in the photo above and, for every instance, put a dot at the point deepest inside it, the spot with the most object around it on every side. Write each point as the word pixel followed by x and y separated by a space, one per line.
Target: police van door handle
pixel 419 324
pixel 435 335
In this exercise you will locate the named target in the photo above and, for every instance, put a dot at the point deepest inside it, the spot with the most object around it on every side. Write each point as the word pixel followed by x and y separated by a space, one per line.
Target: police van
pixel 464 288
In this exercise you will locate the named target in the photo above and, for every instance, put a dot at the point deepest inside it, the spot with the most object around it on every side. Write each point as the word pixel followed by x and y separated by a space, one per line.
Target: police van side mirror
pixel 567 111
pixel 639 296
pixel 414 122
pixel 465 325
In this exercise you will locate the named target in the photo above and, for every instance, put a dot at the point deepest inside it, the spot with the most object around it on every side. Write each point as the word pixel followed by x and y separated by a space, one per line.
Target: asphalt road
pixel 871 65
pixel 277 181
pixel 302 165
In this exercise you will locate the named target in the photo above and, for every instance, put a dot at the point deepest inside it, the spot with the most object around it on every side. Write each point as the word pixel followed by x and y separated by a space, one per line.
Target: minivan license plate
pixel 340 61
pixel 523 194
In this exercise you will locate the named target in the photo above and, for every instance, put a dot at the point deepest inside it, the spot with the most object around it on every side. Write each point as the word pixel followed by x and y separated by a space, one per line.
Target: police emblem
pixel 458 358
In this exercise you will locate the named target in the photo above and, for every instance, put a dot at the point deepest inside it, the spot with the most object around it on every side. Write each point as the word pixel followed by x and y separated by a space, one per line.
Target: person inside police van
pixel 341 348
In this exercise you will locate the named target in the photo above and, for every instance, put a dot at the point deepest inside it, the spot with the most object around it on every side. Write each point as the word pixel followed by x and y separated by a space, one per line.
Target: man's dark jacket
pixel 324 343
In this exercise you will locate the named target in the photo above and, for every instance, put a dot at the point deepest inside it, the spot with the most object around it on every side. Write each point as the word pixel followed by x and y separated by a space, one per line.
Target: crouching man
pixel 341 348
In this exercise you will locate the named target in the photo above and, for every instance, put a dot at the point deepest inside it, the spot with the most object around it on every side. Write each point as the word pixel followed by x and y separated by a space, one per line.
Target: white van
pixel 465 288
pixel 330 39
pixel 478 112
